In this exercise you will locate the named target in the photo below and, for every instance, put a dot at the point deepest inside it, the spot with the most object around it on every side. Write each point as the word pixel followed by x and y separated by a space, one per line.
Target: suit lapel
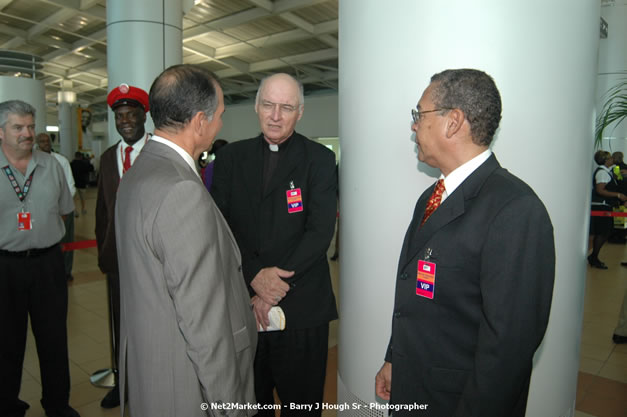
pixel 252 168
pixel 453 207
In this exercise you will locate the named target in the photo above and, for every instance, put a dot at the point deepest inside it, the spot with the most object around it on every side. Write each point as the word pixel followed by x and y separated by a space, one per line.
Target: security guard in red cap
pixel 129 105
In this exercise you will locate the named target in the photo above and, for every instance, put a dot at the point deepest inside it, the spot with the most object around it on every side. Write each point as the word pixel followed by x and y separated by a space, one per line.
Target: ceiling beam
pixel 306 58
pixel 13 31
pixel 273 64
pixel 283 6
pixel 329 40
pixel 330 26
pixel 224 22
pixel 48 72
pixel 62 52
pixel 13 43
pixel 239 47
pixel 252 88
pixel 264 4
pixel 297 21
pixel 86 7
pixel 243 67
pixel 200 49
pixel 52 20
pixel 70 4
pixel 87 4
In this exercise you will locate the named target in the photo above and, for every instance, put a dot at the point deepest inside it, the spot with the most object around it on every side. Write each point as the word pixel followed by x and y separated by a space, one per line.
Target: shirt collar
pixel 36 159
pixel 459 174
pixel 137 146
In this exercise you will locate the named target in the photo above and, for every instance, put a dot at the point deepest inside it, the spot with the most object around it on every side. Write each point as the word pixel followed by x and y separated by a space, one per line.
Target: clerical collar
pixel 273 147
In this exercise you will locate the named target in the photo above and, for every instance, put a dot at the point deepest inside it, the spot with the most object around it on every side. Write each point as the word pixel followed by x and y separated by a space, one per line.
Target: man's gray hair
pixel 301 89
pixel 473 92
pixel 19 107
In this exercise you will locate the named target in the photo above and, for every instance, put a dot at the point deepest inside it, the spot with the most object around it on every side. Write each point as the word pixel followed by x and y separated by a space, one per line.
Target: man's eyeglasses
pixel 417 115
pixel 268 106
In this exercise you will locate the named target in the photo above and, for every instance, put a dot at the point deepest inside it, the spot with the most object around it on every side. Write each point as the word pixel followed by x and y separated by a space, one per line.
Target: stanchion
pixel 105 378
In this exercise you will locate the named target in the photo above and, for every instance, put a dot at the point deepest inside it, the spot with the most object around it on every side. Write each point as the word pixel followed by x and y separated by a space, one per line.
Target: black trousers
pixel 34 286
pixel 295 363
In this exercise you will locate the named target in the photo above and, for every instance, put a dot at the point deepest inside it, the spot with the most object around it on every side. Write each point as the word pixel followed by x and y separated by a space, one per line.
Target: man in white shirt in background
pixel 44 143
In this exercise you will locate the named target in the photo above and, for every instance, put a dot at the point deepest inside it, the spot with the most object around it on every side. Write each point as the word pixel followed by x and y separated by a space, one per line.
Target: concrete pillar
pixel 68 135
pixel 144 37
pixel 31 91
pixel 542 55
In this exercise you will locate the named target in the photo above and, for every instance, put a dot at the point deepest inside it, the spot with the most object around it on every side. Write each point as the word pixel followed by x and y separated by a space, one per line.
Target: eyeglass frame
pixel 268 106
pixel 417 114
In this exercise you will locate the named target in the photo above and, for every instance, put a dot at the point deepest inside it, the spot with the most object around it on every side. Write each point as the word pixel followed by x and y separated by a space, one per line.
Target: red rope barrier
pixel 83 244
pixel 600 213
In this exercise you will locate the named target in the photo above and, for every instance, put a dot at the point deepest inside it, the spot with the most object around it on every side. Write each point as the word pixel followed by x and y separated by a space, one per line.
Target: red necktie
pixel 127 159
pixel 434 200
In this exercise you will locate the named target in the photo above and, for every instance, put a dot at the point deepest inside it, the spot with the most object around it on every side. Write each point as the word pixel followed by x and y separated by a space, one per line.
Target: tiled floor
pixel 602 385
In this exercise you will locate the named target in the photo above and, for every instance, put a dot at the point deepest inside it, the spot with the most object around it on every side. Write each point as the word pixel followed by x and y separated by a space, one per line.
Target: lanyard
pixel 21 194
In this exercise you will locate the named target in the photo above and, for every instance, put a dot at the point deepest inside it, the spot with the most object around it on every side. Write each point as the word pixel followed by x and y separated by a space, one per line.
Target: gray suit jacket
pixel 188 335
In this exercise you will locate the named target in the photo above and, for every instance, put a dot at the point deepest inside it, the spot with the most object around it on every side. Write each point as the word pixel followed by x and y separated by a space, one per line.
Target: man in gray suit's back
pixel 188 335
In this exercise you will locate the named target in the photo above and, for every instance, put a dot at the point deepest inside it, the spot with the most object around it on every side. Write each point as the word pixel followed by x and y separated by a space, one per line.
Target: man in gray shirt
pixel 34 196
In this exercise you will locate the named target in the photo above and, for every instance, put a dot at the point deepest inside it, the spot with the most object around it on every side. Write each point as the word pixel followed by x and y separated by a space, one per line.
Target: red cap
pixel 127 95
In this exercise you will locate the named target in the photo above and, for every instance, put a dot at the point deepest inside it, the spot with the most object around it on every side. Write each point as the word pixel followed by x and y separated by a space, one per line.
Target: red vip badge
pixel 425 280
pixel 23 221
pixel 294 201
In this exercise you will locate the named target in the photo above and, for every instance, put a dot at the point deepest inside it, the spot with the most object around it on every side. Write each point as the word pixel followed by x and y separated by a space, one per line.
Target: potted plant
pixel 613 111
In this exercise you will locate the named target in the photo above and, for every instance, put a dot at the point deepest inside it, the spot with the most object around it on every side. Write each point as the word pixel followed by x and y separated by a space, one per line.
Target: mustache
pixel 24 139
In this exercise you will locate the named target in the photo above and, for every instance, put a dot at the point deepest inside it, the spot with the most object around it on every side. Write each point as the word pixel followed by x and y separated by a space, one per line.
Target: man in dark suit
pixel 277 192
pixel 129 105
pixel 465 330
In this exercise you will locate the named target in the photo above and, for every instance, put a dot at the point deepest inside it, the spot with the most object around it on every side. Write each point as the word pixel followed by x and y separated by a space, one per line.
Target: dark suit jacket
pixel 468 351
pixel 108 181
pixel 268 235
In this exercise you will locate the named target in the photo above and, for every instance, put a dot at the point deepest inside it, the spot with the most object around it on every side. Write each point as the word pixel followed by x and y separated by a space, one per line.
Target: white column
pixel 143 39
pixel 68 134
pixel 28 90
pixel 542 55
pixel 613 68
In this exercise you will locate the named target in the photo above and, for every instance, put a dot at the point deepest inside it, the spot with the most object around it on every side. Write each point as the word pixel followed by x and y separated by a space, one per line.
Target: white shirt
pixel 459 174
pixel 137 148
pixel 67 170
pixel 186 157
pixel 603 175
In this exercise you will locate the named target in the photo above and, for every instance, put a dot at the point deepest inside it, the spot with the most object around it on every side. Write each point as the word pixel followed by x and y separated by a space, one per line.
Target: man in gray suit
pixel 188 335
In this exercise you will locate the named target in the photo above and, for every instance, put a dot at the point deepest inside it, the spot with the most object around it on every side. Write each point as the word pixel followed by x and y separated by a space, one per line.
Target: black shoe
pixel 63 412
pixel 596 263
pixel 112 399
pixel 19 410
pixel 619 340
pixel 623 264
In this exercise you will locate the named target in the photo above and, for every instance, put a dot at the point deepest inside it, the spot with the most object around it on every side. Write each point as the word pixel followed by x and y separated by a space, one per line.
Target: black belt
pixel 29 253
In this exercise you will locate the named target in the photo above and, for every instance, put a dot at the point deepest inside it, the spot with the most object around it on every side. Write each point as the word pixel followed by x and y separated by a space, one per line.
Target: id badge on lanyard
pixel 425 279
pixel 24 221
